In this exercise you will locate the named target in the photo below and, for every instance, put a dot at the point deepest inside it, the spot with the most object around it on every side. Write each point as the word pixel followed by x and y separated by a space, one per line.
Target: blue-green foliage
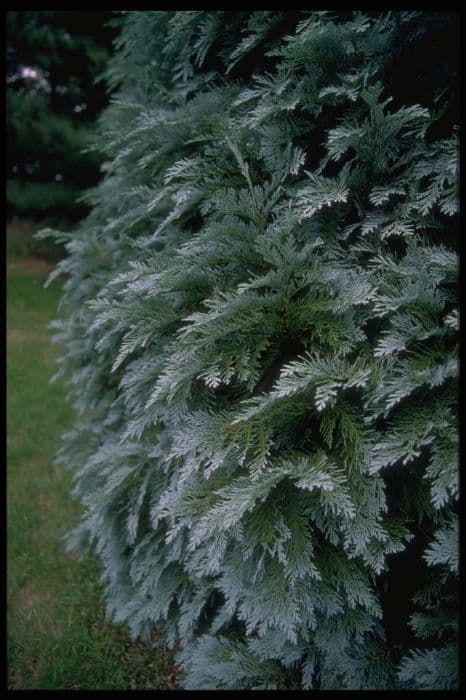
pixel 260 342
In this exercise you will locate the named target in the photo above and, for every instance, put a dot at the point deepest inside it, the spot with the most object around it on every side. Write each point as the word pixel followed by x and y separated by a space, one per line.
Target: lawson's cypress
pixel 260 342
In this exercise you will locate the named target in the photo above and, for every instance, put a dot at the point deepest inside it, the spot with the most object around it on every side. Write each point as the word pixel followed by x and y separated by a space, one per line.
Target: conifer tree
pixel 53 61
pixel 260 342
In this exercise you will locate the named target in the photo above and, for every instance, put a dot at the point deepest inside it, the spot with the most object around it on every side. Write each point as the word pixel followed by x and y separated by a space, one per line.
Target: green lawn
pixel 57 634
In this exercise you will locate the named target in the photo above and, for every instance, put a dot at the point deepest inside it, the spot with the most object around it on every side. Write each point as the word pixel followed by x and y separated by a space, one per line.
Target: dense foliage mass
pixel 261 344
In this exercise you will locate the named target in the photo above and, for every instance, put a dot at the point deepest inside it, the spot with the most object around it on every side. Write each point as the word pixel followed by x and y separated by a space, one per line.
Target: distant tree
pixel 54 95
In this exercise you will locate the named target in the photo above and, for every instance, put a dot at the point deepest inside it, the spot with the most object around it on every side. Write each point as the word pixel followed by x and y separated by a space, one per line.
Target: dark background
pixel 55 90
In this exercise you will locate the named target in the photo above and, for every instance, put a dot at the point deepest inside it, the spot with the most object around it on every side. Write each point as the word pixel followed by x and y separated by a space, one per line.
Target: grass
pixel 57 635
pixel 20 242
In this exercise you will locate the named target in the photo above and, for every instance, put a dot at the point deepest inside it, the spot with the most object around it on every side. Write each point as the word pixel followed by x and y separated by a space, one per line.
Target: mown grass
pixel 21 243
pixel 56 632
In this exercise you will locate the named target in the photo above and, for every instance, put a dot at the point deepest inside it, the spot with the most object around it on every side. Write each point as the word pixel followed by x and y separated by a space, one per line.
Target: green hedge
pixel 261 345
